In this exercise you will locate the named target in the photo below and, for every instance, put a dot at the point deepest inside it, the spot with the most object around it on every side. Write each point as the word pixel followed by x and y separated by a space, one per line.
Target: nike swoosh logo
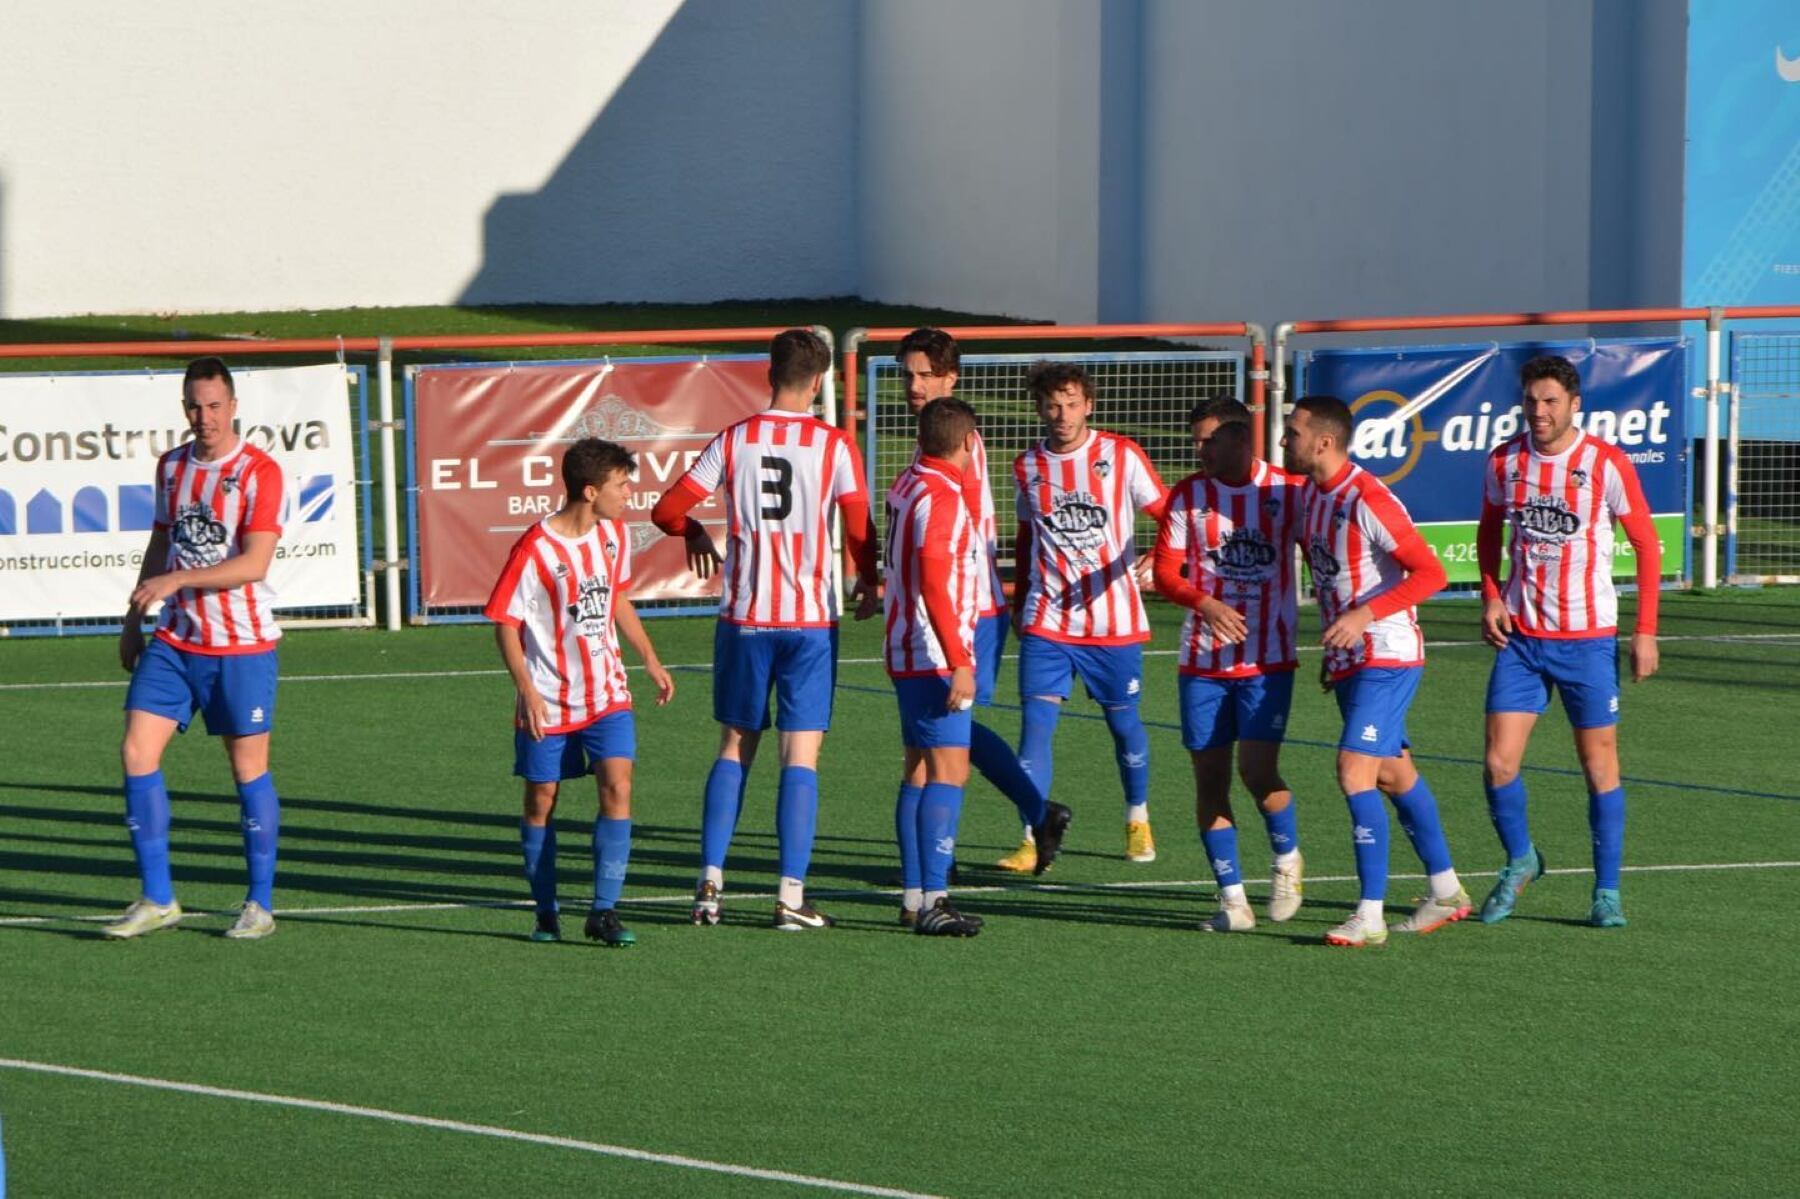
pixel 1787 68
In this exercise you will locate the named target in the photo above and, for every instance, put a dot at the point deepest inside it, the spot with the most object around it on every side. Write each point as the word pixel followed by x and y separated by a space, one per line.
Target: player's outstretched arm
pixel 531 707
pixel 131 634
pixel 250 566
pixel 632 629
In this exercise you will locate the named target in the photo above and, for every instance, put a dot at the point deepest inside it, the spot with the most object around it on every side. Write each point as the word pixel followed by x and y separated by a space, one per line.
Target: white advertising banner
pixel 76 457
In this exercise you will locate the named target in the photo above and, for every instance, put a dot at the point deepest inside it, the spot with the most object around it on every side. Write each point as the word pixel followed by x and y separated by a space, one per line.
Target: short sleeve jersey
pixel 561 594
pixel 1238 545
pixel 207 508
pixel 1081 507
pixel 1351 529
pixel 928 516
pixel 1560 510
pixel 783 473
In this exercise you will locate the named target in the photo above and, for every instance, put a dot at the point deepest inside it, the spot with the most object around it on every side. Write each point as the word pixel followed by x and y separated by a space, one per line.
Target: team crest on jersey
pixel 199 539
pixel 562 570
pixel 611 549
pixel 1271 505
pixel 1578 477
pixel 1547 516
pixel 592 600
pixel 1077 521
pixel 1103 468
pixel 1244 553
pixel 229 483
pixel 1324 565
pixel 1339 517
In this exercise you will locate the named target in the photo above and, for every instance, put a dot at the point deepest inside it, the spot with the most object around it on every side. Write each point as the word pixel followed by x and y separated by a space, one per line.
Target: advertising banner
pixel 487 451
pixel 1427 418
pixel 77 452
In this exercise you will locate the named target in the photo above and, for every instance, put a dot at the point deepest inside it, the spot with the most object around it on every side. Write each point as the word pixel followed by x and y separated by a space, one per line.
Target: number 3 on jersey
pixel 777 488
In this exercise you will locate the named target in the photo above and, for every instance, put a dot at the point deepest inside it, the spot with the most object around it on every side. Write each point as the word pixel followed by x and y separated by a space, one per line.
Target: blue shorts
pixel 1112 674
pixel 1585 670
pixel 570 755
pixel 1374 702
pixel 990 647
pixel 1216 712
pixel 801 664
pixel 234 692
pixel 925 720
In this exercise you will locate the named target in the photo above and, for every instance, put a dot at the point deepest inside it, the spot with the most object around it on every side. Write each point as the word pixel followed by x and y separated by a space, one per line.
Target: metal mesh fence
pixel 1765 469
pixel 1144 396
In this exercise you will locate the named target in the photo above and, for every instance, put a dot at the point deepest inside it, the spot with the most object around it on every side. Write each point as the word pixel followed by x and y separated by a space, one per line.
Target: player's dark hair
pixel 1554 367
pixel 1330 412
pixel 796 357
pixel 207 368
pixel 943 424
pixel 1045 379
pixel 939 348
pixel 1226 409
pixel 590 461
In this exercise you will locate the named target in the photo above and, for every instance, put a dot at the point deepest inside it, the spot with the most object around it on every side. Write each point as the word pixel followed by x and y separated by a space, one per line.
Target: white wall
pixel 219 155
pixel 1067 159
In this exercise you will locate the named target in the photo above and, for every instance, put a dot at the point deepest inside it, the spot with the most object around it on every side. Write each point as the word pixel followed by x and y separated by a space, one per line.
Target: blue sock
pixel 940 807
pixel 1131 747
pixel 797 818
pixel 539 843
pixel 1221 851
pixel 1506 805
pixel 1418 812
pixel 1284 829
pixel 1037 727
pixel 906 831
pixel 999 765
pixel 262 827
pixel 719 817
pixel 147 816
pixel 612 852
pixel 1369 835
pixel 1606 819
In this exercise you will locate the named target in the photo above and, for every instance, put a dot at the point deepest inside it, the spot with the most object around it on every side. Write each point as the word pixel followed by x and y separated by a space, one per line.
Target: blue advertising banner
pixel 1427 418
pixel 1741 223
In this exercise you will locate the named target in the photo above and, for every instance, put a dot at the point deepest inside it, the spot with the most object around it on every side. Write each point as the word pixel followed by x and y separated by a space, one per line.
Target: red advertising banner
pixel 488 444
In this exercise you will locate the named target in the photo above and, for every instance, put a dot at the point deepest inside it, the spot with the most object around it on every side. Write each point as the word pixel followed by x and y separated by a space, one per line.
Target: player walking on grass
pixel 1225 551
pixel 1370 569
pixel 1079 610
pixel 930 363
pixel 935 559
pixel 557 608
pixel 217 521
pixel 783 471
pixel 1554 621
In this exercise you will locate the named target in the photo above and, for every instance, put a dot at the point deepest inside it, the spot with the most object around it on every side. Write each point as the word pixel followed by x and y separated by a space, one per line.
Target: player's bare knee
pixel 615 799
pixel 1499 769
pixel 539 802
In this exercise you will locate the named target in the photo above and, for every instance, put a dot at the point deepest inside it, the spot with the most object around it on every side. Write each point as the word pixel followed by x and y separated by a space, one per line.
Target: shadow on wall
pixel 721 167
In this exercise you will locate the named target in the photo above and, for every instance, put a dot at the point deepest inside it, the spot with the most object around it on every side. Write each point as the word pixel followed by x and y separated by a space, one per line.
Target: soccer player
pixel 930 363
pixel 1554 621
pixel 1225 551
pixel 783 472
pixel 557 608
pixel 1079 611
pixel 217 521
pixel 1370 569
pixel 935 558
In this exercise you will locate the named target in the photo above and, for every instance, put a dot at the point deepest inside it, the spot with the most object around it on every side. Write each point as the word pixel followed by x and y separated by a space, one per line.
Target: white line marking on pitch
pixel 991 889
pixel 481 1130
pixel 376 676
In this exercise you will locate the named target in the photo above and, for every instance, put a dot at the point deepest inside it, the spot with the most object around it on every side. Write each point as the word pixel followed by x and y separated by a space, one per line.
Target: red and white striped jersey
pixel 1560 509
pixel 1238 544
pixel 206 508
pixel 1080 507
pixel 1352 526
pixel 782 472
pixel 560 593
pixel 979 496
pixel 928 516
